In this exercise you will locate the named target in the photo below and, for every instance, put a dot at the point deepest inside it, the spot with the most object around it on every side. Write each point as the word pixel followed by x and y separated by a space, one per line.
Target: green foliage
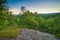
pixel 6 21
pixel 28 20
pixel 9 32
pixel 58 35
pixel 3 14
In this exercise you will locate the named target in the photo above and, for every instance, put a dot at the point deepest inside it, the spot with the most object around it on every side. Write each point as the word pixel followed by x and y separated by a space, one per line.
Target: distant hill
pixel 49 15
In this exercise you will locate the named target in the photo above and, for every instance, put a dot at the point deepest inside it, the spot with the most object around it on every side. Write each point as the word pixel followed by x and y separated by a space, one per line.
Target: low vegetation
pixel 9 32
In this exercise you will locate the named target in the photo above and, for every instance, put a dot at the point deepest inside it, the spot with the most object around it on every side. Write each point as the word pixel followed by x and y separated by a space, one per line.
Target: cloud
pixel 14 11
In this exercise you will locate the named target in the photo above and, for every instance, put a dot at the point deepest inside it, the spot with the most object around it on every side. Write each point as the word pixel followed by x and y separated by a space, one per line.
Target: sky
pixel 40 6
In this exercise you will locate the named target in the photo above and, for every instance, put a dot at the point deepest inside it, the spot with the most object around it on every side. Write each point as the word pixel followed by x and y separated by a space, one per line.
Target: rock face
pixel 29 34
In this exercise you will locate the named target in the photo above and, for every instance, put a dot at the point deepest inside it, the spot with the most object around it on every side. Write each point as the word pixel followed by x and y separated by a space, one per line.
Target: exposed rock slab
pixel 29 34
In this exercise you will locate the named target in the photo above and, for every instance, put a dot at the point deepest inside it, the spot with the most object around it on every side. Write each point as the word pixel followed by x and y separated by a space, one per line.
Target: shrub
pixel 9 32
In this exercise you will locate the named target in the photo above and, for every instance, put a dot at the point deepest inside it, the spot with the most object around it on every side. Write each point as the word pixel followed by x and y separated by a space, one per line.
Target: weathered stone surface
pixel 29 34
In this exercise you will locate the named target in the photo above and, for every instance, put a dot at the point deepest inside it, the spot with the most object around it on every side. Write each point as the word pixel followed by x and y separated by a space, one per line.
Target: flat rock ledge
pixel 30 34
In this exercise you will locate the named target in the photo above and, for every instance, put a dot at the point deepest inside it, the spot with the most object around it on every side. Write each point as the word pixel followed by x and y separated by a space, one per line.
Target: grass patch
pixel 9 32
pixel 58 36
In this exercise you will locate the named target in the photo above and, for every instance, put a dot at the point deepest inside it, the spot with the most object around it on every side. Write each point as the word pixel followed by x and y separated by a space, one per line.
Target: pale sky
pixel 40 6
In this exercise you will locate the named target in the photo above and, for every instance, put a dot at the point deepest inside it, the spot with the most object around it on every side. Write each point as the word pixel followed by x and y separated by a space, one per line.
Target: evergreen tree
pixel 3 13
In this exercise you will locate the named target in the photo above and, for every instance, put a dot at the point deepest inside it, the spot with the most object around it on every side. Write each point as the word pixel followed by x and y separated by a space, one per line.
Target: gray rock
pixel 29 34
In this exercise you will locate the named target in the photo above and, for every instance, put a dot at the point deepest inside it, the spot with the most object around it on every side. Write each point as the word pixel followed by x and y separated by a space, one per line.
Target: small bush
pixel 9 32
pixel 58 35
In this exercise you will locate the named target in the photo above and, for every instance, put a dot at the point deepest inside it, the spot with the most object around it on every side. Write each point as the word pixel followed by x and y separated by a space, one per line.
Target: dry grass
pixel 9 32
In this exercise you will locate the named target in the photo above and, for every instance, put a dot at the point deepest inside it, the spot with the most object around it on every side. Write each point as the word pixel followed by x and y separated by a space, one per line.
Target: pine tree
pixel 3 13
